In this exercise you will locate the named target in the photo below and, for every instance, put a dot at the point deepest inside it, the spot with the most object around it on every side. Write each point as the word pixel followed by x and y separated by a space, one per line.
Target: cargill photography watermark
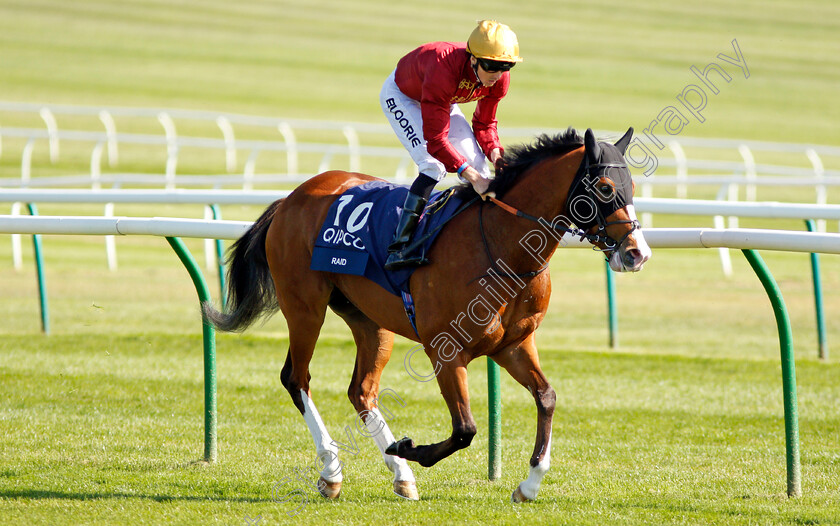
pixel 500 284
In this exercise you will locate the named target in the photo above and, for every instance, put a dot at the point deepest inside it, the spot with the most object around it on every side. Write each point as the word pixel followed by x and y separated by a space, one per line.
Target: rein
pixel 575 232
pixel 600 236
pixel 493 265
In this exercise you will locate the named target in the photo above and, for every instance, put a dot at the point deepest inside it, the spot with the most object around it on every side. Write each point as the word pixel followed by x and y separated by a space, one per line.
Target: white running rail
pixel 757 239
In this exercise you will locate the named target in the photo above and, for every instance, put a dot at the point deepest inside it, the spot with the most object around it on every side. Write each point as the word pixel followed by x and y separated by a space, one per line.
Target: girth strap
pixel 408 305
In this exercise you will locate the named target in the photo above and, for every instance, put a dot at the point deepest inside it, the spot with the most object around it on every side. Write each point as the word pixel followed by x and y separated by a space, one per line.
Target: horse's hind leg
pixel 303 301
pixel 373 350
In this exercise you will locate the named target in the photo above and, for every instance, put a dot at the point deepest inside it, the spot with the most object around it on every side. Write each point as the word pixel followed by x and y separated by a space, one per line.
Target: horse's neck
pixel 540 192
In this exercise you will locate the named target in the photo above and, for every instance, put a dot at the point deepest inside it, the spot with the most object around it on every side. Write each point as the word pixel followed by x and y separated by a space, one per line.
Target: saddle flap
pixel 360 224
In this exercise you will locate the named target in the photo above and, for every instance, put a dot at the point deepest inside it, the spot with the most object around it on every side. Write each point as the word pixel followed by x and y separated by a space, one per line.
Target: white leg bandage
pixel 327 452
pixel 378 429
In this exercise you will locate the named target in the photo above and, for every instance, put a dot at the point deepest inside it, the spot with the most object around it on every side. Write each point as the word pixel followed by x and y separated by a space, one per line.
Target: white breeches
pixel 404 115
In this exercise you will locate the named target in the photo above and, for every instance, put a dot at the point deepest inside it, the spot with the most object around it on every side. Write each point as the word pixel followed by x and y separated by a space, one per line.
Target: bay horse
pixel 540 191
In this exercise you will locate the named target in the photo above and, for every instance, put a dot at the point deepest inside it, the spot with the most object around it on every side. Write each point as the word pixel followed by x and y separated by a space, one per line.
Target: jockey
pixel 420 101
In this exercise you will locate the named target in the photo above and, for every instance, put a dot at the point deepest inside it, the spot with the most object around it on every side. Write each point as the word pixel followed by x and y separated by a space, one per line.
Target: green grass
pixel 600 64
pixel 605 65
pixel 106 428
pixel 683 425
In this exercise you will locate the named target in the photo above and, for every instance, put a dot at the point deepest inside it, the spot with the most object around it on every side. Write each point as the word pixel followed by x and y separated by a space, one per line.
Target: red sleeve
pixel 438 89
pixel 484 117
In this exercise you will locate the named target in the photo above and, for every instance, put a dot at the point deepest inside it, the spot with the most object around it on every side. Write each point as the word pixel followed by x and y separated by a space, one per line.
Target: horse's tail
pixel 250 287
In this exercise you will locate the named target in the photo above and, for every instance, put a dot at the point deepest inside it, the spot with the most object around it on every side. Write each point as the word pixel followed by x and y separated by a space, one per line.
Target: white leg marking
pixel 382 437
pixel 327 452
pixel 531 485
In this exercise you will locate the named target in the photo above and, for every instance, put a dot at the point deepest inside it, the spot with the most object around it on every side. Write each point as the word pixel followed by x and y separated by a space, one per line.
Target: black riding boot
pixel 409 217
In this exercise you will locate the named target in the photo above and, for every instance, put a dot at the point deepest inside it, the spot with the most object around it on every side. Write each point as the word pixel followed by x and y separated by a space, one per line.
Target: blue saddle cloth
pixel 360 225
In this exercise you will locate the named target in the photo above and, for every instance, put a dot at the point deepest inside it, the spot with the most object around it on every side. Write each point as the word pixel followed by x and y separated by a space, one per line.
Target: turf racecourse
pixel 684 425
pixel 101 421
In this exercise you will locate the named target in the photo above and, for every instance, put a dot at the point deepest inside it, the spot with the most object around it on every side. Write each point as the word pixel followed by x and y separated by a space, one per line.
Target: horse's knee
pixel 356 396
pixel 463 434
pixel 362 398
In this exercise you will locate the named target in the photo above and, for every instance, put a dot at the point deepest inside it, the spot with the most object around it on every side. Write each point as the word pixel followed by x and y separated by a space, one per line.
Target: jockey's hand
pixel 479 184
pixel 497 159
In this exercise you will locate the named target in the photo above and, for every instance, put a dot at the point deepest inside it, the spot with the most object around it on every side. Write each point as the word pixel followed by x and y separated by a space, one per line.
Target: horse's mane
pixel 519 158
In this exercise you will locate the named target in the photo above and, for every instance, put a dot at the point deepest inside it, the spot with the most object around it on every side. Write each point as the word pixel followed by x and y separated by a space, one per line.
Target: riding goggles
pixel 492 66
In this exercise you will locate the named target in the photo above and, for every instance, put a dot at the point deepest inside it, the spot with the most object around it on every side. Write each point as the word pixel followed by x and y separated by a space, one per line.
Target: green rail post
pixel 220 257
pixel 209 335
pixel 794 477
pixel 818 301
pixel 42 279
pixel 494 410
pixel 612 307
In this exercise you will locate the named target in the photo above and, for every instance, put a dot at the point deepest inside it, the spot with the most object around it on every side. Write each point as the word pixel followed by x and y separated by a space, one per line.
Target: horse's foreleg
pixel 523 365
pixel 452 380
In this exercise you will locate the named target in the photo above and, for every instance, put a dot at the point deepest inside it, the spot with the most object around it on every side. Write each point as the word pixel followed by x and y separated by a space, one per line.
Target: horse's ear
pixel 593 150
pixel 622 143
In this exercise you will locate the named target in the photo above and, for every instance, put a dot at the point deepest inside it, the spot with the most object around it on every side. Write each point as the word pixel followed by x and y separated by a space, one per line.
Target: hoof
pixel 518 496
pixel 399 448
pixel 330 490
pixel 406 489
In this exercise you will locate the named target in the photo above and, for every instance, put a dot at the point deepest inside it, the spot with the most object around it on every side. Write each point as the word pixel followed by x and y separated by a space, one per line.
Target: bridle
pixel 600 218
pixel 600 235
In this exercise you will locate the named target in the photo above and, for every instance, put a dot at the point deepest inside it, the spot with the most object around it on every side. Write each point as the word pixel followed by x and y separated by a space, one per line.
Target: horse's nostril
pixel 632 256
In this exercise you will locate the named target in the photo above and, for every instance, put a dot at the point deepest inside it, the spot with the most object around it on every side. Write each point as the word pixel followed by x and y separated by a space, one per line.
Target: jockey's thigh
pixel 406 118
pixel 461 136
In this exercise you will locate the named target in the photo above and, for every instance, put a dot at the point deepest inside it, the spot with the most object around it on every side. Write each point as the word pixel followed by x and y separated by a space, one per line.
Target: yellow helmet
pixel 494 41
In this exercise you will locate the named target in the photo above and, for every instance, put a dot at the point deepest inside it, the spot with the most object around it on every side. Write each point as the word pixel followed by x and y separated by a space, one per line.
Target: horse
pixel 498 247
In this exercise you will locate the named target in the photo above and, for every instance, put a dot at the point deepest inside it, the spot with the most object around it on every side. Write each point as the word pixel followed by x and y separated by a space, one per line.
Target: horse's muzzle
pixel 633 258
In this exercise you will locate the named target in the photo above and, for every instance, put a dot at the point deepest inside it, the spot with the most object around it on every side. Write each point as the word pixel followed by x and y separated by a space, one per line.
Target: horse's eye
pixel 605 189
